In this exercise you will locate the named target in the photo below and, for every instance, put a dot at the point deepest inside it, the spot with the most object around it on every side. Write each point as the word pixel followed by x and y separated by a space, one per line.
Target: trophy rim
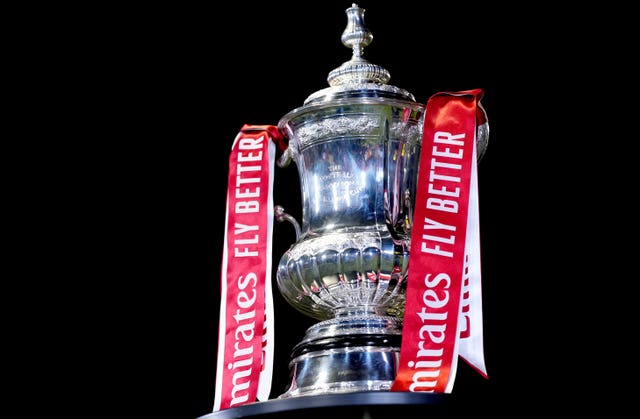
pixel 341 101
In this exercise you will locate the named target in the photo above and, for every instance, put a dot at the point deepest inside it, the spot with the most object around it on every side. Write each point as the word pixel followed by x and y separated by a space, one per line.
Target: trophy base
pixel 373 405
pixel 346 355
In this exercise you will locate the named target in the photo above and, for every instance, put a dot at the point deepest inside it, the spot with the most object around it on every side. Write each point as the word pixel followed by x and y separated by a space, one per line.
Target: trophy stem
pixel 364 310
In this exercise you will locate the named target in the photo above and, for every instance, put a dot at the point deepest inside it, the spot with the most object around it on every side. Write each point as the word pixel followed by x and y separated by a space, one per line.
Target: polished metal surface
pixel 356 145
pixel 346 354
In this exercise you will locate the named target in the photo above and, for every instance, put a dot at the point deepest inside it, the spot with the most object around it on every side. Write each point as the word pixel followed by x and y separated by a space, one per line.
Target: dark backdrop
pixel 188 78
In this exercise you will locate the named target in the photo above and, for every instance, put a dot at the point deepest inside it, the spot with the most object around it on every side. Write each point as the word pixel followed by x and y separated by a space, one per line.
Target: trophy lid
pixel 358 77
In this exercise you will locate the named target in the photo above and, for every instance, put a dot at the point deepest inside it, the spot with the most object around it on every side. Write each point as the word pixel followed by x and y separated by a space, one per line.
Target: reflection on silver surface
pixel 356 145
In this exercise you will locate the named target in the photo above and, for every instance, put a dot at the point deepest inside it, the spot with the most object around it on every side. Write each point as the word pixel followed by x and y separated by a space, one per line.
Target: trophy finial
pixel 356 35
pixel 357 70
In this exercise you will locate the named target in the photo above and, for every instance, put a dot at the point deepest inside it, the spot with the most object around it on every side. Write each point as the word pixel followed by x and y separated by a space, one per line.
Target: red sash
pixel 245 339
pixel 444 273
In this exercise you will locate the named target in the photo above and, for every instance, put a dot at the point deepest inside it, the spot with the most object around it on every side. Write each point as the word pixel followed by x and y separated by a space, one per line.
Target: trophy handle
pixel 282 216
pixel 283 161
pixel 285 158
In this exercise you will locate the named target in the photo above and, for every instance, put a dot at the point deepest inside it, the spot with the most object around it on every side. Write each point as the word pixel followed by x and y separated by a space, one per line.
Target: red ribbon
pixel 245 340
pixel 439 248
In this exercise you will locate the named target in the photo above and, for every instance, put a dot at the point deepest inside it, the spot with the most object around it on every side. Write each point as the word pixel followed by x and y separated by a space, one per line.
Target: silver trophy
pixel 356 145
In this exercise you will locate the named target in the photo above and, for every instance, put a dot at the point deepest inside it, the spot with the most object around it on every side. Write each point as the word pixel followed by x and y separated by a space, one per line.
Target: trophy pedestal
pixel 368 404
pixel 347 354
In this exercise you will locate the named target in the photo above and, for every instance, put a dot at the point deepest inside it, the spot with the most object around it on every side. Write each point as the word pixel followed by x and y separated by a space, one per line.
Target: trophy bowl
pixel 357 160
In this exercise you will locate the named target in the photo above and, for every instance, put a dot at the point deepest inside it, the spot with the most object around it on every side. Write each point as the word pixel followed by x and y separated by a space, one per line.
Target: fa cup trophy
pixel 357 145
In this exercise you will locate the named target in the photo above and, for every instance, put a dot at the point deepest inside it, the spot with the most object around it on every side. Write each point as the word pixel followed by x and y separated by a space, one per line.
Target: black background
pixel 183 81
